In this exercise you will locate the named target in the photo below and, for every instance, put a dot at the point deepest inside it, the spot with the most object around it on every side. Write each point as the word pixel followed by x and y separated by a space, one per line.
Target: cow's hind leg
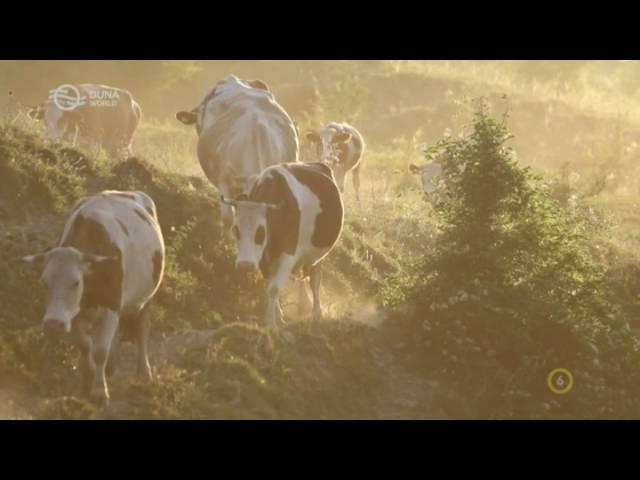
pixel 282 271
pixel 142 337
pixel 356 181
pixel 314 279
pixel 107 326
pixel 112 361
pixel 304 303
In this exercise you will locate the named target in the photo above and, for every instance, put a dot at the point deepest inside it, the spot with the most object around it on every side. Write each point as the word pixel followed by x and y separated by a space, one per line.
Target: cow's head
pixel 250 230
pixel 64 271
pixel 330 145
pixel 231 82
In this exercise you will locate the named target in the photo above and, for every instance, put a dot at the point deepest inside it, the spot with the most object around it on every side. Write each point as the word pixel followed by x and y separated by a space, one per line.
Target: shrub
pixel 510 291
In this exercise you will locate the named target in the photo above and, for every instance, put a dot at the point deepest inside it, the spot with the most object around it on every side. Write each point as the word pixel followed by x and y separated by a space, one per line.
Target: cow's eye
pixel 236 231
pixel 260 235
pixel 76 284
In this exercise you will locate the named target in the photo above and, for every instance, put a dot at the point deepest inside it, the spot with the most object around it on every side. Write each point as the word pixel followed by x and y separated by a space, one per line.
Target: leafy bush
pixel 511 291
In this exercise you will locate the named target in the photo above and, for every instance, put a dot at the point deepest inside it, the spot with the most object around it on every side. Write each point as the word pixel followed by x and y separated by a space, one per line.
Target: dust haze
pixel 414 327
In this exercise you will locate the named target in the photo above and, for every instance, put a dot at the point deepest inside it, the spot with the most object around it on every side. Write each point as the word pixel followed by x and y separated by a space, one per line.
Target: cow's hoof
pixel 317 316
pixel 100 398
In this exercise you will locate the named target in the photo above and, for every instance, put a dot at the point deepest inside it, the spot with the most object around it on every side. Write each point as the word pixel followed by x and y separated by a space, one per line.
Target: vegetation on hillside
pixel 528 262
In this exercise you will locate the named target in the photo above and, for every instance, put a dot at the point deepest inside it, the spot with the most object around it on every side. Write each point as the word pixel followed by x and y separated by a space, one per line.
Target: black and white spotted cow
pixel 106 267
pixel 340 146
pixel 242 129
pixel 289 222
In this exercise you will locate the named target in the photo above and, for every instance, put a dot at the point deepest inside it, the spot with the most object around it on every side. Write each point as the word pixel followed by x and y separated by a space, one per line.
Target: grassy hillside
pixel 211 357
pixel 371 357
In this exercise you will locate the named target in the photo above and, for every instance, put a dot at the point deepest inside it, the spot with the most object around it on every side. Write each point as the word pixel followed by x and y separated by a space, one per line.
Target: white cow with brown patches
pixel 341 147
pixel 104 270
pixel 289 222
pixel 241 131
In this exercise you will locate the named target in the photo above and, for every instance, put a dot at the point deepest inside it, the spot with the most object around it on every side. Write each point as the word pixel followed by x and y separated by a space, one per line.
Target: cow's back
pixel 114 120
pixel 244 134
pixel 311 214
pixel 122 225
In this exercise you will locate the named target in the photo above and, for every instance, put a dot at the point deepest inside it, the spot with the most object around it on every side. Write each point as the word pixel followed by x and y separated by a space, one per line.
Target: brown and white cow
pixel 241 131
pixel 105 269
pixel 340 146
pixel 91 116
pixel 289 222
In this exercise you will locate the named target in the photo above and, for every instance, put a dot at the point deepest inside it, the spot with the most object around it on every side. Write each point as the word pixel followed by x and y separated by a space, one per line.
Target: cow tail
pixel 264 147
pixel 135 123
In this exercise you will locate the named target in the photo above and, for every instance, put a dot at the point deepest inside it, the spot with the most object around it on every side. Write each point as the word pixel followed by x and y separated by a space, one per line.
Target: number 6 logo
pixel 560 381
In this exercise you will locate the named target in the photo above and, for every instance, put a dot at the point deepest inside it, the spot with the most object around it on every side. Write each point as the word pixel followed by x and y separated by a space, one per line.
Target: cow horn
pixel 91 258
pixel 33 258
pixel 228 201
pixel 272 206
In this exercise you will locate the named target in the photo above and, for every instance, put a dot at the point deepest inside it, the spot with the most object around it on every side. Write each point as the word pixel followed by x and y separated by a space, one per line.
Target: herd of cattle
pixel 285 215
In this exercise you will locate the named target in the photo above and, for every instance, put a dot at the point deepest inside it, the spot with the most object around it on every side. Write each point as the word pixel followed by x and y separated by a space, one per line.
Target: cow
pixel 288 223
pixel 241 131
pixel 430 173
pixel 340 146
pixel 105 268
pixel 91 116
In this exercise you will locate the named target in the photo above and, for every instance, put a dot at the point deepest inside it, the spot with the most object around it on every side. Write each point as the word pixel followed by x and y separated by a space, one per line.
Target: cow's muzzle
pixel 53 326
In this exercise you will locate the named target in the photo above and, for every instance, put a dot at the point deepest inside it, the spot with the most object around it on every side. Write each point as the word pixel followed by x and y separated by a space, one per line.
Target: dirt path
pixel 402 395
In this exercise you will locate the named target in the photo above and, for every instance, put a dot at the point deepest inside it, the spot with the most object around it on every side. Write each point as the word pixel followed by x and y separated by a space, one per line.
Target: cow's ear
pixel 313 137
pixel 188 118
pixel 342 137
pixel 259 84
pixel 414 169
